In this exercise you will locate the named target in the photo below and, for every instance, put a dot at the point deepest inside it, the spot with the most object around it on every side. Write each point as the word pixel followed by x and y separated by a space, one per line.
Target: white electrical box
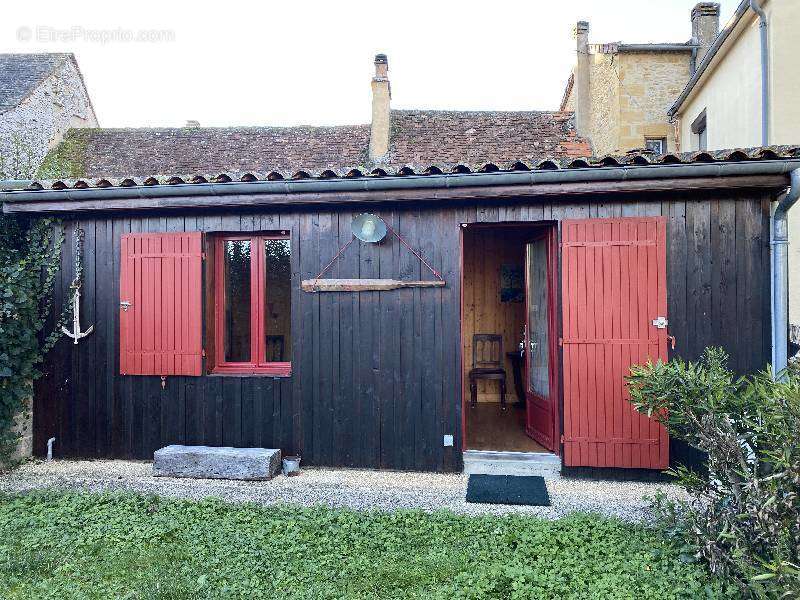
pixel 448 440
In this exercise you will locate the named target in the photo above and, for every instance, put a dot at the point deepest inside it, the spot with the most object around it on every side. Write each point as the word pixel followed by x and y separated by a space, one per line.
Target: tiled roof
pixel 20 74
pixel 435 168
pixel 425 137
pixel 418 139
pixel 125 152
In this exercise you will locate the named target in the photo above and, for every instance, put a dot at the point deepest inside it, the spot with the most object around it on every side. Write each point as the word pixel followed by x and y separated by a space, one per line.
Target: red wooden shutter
pixel 161 328
pixel 613 286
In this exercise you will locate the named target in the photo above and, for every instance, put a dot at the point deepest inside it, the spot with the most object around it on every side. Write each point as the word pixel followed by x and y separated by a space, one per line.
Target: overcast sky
pixel 288 63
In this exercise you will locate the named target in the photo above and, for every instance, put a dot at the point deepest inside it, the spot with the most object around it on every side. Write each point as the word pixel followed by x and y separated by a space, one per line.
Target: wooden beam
pixel 364 285
pixel 488 193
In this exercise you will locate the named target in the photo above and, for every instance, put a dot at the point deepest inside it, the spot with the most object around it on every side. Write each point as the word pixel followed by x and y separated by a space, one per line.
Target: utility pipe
pixel 765 92
pixel 780 276
pixel 50 443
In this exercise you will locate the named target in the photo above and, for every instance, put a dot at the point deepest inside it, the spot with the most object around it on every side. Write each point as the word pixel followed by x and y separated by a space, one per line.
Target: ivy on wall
pixel 30 250
pixel 29 260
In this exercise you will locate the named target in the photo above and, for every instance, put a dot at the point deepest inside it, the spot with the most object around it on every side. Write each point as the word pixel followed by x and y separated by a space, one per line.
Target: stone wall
pixel 40 121
pixel 604 103
pixel 630 95
pixel 648 85
pixel 23 427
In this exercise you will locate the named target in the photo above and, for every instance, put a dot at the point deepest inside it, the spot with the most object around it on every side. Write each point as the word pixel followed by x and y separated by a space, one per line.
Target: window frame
pixel 258 292
pixel 660 140
pixel 700 130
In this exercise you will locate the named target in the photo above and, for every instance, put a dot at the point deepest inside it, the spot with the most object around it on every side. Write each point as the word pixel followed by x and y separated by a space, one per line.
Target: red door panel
pixel 613 288
pixel 539 349
pixel 161 304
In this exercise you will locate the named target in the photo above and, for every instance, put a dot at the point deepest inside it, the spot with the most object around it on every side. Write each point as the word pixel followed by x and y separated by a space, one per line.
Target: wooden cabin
pixel 242 310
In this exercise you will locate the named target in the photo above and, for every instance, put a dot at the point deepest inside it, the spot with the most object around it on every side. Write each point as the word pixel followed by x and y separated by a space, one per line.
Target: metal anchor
pixel 76 332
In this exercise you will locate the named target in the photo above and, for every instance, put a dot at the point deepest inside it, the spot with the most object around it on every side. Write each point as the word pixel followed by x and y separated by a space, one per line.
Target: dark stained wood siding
pixel 375 379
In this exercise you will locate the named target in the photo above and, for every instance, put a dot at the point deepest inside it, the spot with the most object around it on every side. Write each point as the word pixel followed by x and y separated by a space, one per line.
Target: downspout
pixel 780 276
pixel 765 95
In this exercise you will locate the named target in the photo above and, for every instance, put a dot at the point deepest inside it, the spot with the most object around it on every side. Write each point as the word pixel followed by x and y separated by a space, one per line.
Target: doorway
pixel 508 334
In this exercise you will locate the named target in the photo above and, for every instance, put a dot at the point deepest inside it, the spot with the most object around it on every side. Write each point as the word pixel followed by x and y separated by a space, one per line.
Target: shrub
pixel 743 516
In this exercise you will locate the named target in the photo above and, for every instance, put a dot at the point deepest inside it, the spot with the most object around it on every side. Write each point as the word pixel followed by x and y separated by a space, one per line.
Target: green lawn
pixel 55 545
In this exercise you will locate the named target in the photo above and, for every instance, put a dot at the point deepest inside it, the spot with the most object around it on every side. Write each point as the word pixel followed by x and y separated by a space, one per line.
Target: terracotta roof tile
pixel 418 140
pixel 353 171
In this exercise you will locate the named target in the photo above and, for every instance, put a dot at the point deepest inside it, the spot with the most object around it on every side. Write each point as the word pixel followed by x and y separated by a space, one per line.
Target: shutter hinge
pixel 202 255
pixel 204 352
pixel 562 438
pixel 561 341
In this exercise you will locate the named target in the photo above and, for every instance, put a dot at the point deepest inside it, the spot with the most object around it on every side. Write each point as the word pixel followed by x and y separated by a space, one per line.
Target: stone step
pixel 207 462
pixel 480 462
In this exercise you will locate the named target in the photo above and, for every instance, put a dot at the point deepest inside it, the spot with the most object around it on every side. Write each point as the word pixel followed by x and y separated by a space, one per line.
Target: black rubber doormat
pixel 507 489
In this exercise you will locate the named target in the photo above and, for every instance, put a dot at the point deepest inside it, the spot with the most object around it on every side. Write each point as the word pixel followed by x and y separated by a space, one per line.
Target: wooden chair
pixel 487 363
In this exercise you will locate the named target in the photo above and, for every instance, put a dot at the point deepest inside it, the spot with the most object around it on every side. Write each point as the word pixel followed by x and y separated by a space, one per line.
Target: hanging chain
pixel 76 282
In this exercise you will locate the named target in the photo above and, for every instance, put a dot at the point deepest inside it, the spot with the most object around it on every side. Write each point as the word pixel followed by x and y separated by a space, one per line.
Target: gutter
pixel 779 234
pixel 765 92
pixel 14 184
pixel 157 196
pixel 709 57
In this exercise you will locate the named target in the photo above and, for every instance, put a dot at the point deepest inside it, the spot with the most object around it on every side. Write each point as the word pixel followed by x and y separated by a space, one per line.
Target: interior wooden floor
pixel 490 428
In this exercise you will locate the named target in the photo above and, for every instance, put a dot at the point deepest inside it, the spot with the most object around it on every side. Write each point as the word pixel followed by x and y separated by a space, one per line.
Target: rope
pixel 397 235
pixel 338 254
pixel 414 252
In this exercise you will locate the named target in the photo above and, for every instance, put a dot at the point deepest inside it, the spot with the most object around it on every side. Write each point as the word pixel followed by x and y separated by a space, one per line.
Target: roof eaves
pixel 719 42
pixel 364 172
pixel 657 47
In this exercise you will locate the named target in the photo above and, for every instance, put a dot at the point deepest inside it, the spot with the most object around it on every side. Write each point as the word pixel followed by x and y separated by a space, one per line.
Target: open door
pixel 539 393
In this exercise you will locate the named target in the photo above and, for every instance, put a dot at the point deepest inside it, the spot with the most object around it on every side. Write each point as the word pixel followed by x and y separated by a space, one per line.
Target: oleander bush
pixel 56 545
pixel 743 516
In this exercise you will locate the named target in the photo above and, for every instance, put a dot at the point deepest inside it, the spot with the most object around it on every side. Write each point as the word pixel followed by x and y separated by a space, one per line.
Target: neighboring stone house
pixel 620 93
pixel 394 139
pixel 722 106
pixel 41 97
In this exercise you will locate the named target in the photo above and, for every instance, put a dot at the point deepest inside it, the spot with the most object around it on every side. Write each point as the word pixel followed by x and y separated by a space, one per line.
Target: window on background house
pixel 656 145
pixel 700 131
pixel 252 304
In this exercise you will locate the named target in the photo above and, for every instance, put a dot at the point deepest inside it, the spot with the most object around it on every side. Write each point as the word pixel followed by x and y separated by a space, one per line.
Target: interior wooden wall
pixel 485 250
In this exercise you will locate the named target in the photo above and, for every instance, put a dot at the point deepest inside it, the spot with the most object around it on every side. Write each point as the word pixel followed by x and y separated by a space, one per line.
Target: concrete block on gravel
pixel 205 462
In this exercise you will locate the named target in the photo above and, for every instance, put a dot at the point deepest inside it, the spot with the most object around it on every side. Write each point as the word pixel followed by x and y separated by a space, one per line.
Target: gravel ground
pixel 356 489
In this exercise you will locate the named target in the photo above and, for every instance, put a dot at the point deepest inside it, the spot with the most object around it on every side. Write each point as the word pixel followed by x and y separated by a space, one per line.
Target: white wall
pixel 731 97
pixel 730 92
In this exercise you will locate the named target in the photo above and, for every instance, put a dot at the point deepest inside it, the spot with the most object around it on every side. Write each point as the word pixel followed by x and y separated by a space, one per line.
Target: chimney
pixel 581 82
pixel 381 101
pixel 705 27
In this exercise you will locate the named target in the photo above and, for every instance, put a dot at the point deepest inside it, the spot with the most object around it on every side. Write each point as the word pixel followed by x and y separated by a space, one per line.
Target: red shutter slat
pixel 161 277
pixel 614 286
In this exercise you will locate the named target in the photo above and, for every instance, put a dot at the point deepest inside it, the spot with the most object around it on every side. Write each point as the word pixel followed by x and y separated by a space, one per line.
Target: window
pixel 700 130
pixel 656 145
pixel 252 304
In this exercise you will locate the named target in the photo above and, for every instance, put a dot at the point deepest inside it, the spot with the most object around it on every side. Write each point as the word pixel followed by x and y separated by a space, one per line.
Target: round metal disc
pixel 369 228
